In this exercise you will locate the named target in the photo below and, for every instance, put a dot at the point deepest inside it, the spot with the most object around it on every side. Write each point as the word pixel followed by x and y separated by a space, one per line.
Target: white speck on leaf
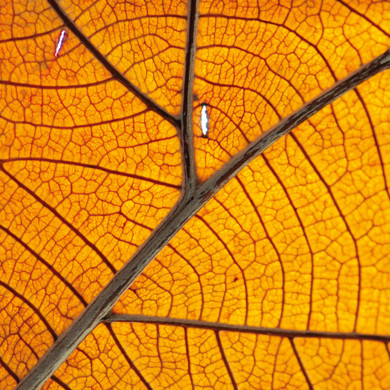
pixel 204 120
pixel 60 42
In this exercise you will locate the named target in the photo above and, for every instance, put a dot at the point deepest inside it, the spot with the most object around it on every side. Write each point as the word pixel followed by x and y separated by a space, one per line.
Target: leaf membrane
pixel 256 65
pixel 87 172
pixel 90 165
pixel 290 243
pixel 145 41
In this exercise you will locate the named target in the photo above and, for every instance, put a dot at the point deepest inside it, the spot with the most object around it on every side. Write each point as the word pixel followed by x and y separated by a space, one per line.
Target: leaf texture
pixel 279 280
pixel 256 63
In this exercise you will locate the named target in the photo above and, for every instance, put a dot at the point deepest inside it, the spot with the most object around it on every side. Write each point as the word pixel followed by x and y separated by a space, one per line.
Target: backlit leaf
pixel 278 278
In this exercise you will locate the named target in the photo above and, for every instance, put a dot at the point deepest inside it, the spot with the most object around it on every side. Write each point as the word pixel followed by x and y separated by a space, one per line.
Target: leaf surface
pixel 278 281
pixel 256 63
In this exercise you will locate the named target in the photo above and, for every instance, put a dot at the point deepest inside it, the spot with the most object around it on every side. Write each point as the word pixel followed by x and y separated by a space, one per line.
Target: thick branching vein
pixel 111 68
pixel 259 330
pixel 185 132
pixel 187 206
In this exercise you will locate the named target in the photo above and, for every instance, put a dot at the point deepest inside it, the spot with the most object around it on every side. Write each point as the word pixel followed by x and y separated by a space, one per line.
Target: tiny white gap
pixel 60 42
pixel 204 120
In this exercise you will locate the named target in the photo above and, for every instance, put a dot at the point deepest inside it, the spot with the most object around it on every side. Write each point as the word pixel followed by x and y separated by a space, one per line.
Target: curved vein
pixel 179 215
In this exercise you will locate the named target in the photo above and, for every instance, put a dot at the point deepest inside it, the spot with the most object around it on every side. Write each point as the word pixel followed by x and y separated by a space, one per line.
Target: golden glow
pixel 299 240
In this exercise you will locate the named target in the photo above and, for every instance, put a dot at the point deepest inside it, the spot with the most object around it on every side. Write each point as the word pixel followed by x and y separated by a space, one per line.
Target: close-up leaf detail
pixel 194 194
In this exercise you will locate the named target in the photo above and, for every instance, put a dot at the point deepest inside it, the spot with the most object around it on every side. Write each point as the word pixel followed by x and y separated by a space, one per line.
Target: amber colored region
pixel 298 241
pixel 87 172
pixel 259 61
pixel 144 40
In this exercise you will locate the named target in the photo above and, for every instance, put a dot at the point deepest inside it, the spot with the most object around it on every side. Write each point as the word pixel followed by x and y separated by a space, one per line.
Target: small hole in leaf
pixel 204 120
pixel 60 42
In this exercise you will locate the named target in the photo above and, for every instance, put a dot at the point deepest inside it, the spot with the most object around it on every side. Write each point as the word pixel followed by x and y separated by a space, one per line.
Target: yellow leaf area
pixel 87 171
pixel 259 61
pixel 299 240
pixel 144 40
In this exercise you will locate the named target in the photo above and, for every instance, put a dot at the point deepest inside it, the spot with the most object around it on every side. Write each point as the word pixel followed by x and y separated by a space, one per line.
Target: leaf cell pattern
pixel 276 279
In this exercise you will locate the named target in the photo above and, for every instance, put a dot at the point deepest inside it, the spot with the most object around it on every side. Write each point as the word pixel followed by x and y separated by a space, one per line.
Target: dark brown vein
pixel 32 307
pixel 96 167
pixel 44 262
pixel 111 68
pixel 259 330
pixel 303 232
pixel 371 22
pixel 188 357
pixel 126 356
pixel 84 125
pixel 319 52
pixel 32 36
pixel 270 240
pixel 9 371
pixel 54 87
pixel 178 216
pixel 342 216
pixel 378 149
pixel 60 382
pixel 275 360
pixel 61 218
pixel 245 156
pixel 303 370
pixel 186 129
pixel 225 245
pixel 226 362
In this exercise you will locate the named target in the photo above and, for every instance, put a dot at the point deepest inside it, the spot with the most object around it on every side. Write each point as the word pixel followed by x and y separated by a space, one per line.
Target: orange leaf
pixel 268 268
